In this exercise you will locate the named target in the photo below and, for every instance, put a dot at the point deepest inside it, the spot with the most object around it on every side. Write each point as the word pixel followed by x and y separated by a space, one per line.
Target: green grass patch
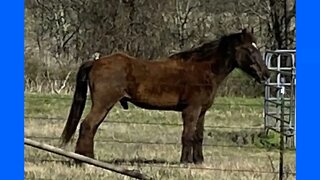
pixel 134 137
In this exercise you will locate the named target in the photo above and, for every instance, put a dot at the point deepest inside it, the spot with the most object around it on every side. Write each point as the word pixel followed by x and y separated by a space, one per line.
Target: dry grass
pixel 115 143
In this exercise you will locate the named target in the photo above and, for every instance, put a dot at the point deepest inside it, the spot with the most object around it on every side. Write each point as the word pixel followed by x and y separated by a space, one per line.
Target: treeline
pixel 59 34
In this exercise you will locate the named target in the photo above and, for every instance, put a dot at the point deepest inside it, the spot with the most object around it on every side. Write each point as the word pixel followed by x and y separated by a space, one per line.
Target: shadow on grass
pixel 117 161
pixel 141 161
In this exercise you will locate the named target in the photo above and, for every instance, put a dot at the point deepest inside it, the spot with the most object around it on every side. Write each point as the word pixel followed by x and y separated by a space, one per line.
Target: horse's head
pixel 248 57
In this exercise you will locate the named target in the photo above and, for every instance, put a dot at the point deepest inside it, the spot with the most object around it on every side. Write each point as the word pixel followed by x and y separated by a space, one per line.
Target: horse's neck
pixel 222 68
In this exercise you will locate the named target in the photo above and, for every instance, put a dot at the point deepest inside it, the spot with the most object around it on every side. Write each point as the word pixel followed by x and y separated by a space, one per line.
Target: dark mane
pixel 198 53
pixel 229 41
pixel 203 52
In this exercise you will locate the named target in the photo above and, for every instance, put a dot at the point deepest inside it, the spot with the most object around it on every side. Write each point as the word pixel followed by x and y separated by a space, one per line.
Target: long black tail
pixel 78 103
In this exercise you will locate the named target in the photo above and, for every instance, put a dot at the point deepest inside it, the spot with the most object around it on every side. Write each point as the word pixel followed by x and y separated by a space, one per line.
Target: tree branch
pixel 72 34
pixel 253 11
pixel 57 91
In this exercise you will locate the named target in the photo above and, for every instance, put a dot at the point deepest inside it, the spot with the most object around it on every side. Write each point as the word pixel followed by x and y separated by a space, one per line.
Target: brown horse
pixel 187 87
pixel 197 54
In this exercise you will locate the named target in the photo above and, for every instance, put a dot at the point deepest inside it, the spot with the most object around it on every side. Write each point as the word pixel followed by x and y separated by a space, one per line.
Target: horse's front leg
pixel 190 116
pixel 198 140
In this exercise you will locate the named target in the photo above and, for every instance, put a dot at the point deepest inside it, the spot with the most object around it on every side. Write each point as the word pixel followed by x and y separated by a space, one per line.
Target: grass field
pixel 150 141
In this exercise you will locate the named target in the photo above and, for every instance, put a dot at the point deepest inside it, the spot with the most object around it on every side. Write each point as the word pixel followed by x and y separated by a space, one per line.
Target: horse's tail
pixel 78 103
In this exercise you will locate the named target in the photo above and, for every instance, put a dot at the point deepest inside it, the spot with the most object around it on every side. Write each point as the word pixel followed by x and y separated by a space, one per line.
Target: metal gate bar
pixel 273 103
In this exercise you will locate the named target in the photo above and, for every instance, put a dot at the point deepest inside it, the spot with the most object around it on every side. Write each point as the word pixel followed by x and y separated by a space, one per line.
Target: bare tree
pixel 278 18
pixel 183 18
pixel 62 33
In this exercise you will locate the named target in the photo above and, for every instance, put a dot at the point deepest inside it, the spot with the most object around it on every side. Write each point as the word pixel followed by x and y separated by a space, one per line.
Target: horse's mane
pixel 203 52
pixel 197 53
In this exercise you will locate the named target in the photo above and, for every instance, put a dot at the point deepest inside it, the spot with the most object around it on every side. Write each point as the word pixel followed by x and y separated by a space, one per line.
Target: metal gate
pixel 282 66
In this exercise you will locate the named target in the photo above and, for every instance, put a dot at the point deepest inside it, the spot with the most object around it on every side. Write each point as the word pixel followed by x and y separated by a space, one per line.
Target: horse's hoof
pixel 198 162
pixel 185 162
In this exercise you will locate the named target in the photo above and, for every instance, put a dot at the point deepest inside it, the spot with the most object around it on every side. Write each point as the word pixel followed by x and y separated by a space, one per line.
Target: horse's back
pixel 110 71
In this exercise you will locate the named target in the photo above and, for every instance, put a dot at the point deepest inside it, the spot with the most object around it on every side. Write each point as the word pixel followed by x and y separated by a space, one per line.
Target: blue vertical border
pixel 308 91
pixel 11 90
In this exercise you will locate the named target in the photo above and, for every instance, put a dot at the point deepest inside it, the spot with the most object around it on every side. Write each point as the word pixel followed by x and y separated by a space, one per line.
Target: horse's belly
pixel 155 97
pixel 163 99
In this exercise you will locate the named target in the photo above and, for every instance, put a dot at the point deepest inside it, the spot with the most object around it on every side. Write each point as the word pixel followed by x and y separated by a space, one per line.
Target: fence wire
pixel 156 143
pixel 60 119
pixel 215 104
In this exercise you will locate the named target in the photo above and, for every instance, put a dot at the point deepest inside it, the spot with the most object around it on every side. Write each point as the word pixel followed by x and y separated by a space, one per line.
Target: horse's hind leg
pixel 88 128
pixel 190 116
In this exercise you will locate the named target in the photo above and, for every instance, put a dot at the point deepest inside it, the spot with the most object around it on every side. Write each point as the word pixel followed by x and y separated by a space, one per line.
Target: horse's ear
pixel 244 34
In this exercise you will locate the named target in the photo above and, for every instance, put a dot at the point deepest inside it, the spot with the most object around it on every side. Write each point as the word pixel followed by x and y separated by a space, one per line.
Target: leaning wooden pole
pixel 52 149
